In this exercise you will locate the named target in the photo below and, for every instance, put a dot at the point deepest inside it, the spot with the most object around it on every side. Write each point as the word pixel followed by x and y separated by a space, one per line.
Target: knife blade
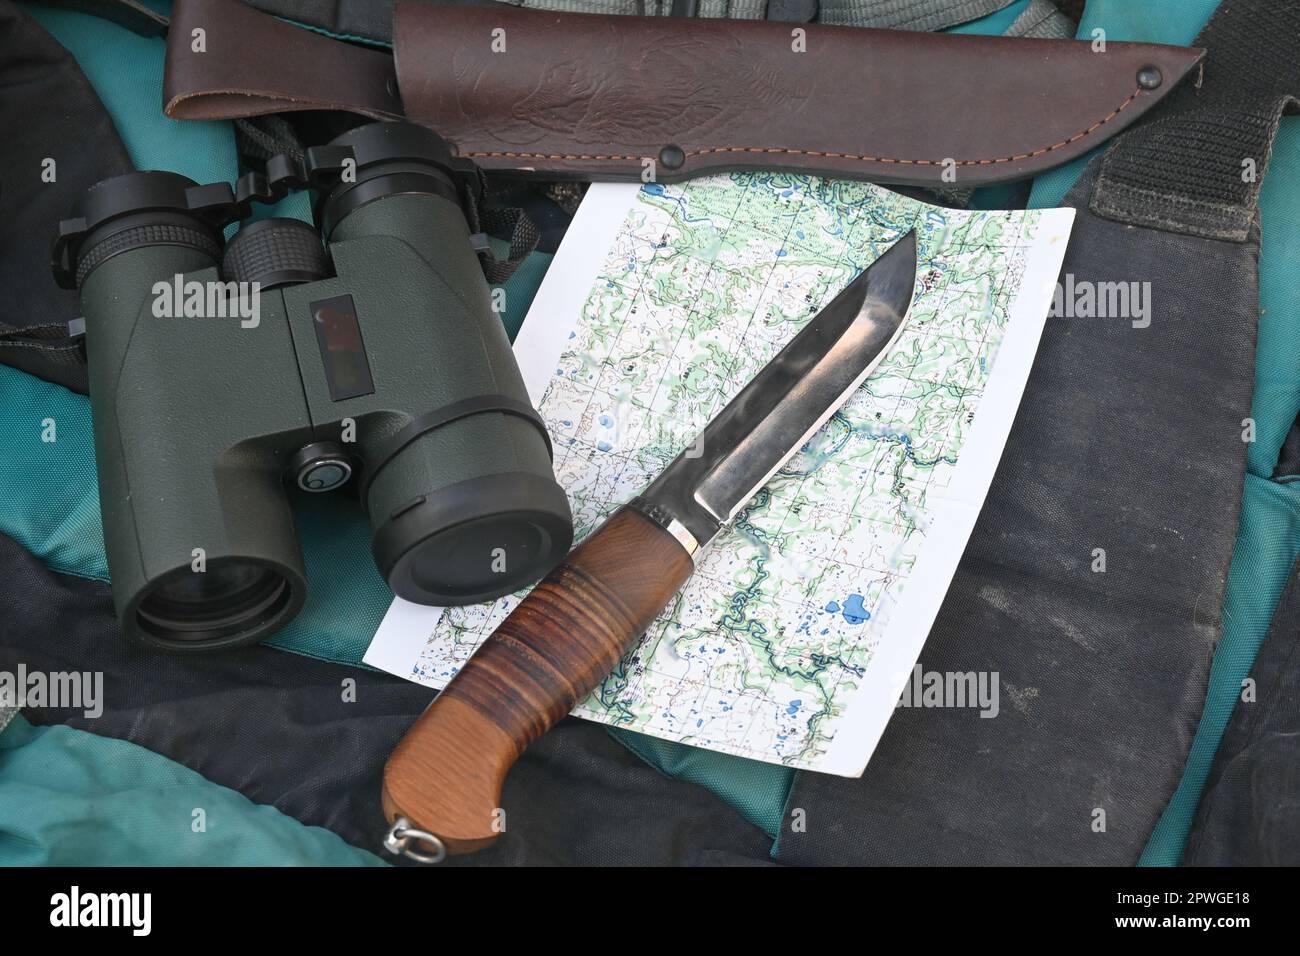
pixel 789 399
pixel 442 784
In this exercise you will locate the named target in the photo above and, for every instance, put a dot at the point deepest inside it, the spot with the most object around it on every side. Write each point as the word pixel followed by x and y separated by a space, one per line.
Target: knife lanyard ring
pixel 401 835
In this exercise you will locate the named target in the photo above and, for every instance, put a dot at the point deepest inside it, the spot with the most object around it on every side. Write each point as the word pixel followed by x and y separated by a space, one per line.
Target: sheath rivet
pixel 672 157
pixel 1150 78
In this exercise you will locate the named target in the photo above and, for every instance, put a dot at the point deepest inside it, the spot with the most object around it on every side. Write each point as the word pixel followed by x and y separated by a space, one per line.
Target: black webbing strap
pixel 261 137
pixel 423 424
pixel 1196 167
pixel 488 216
pixel 513 226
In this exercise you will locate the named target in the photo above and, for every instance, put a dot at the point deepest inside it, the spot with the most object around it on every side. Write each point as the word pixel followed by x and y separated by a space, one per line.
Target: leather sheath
pixel 591 96
pixel 250 64
pixel 588 96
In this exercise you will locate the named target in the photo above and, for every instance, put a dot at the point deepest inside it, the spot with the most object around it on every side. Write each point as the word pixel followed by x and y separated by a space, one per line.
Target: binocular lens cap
pixel 475 540
pixel 395 142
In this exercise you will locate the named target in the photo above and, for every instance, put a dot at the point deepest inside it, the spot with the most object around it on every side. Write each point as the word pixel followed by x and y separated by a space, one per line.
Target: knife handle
pixel 562 640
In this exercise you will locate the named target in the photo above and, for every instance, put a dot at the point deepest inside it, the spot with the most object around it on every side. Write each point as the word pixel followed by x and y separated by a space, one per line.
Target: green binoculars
pixel 362 354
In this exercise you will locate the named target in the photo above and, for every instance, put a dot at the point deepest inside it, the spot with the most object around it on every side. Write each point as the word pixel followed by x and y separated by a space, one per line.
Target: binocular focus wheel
pixel 275 252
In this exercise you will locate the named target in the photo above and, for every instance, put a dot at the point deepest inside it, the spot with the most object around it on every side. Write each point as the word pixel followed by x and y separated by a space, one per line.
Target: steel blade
pixel 789 399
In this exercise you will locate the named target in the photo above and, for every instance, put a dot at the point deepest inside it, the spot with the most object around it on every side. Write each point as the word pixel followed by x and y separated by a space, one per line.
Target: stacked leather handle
pixel 562 640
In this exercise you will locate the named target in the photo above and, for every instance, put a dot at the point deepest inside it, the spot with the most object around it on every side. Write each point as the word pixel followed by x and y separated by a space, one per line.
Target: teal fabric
pixel 126 71
pixel 521 289
pixel 1268 539
pixel 1277 368
pixel 50 502
pixel 71 798
pixel 756 790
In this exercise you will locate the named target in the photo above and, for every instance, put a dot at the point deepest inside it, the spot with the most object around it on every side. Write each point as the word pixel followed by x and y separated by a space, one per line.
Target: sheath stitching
pixel 507 154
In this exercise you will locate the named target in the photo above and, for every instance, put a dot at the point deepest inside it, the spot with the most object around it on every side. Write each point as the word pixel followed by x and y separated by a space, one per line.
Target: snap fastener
pixel 1150 78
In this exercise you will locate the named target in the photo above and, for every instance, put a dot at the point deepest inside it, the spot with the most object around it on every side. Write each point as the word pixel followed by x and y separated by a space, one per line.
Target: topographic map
pixel 793 639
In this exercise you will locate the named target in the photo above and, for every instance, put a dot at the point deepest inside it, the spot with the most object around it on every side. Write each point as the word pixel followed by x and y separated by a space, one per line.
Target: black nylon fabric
pixel 48 111
pixel 276 728
pixel 371 19
pixel 1127 439
pixel 1250 813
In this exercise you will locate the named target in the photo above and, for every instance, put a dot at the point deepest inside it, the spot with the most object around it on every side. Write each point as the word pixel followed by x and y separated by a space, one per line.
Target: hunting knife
pixel 442 785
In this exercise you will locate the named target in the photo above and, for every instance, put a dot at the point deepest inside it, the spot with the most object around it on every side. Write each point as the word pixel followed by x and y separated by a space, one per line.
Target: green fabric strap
pixel 1042 20
pixel 717 9
pixel 884 14
pixel 730 9
pixel 905 14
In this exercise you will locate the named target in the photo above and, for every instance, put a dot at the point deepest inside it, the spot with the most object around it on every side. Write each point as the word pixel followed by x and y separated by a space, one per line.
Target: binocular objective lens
pixel 228 599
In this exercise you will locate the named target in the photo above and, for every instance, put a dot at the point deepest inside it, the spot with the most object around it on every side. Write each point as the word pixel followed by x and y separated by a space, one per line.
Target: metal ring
pixel 399 837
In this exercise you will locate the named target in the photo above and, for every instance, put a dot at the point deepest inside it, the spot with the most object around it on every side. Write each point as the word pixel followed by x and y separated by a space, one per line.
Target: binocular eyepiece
pixel 364 353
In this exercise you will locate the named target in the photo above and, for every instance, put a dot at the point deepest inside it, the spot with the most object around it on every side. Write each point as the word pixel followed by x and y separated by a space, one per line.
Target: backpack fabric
pixel 280 731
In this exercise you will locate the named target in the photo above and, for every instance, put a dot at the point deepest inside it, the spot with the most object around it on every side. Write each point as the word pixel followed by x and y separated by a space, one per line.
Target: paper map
pixel 792 642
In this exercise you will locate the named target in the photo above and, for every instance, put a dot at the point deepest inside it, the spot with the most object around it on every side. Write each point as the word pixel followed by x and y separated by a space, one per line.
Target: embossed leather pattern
pixel 566 95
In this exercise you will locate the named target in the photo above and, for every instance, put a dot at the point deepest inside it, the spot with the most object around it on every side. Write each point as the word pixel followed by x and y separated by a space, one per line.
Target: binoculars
pixel 226 376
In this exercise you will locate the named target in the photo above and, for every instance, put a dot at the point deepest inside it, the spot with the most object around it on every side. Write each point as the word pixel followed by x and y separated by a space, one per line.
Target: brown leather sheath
pixel 226 60
pixel 571 95
pixel 564 95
